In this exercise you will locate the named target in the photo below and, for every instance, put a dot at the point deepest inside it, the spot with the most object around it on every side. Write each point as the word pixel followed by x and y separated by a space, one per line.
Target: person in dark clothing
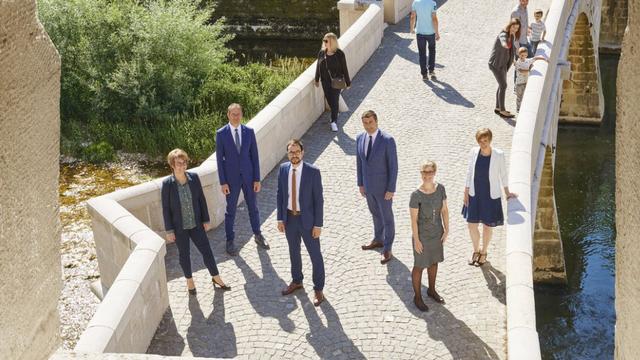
pixel 504 50
pixel 330 68
pixel 186 216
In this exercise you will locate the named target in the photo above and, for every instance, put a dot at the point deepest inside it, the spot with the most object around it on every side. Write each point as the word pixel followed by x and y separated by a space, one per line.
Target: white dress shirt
pixel 298 178
pixel 233 133
pixel 373 141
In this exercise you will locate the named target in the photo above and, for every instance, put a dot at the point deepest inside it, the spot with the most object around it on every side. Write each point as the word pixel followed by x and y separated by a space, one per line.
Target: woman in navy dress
pixel 482 193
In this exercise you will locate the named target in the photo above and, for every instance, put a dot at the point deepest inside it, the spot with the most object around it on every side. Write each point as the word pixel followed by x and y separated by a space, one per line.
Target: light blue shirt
pixel 424 10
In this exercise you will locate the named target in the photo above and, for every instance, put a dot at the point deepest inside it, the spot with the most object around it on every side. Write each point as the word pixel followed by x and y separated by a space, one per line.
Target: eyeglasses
pixel 180 163
pixel 429 172
pixel 297 152
pixel 325 40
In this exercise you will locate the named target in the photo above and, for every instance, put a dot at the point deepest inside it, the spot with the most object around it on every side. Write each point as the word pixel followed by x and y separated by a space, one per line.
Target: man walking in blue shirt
pixel 424 22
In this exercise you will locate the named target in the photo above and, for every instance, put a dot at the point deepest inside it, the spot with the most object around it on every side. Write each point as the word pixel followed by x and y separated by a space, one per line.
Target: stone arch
pixel 612 23
pixel 581 93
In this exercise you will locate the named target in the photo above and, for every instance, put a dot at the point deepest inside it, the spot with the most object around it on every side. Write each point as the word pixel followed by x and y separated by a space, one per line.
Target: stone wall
pixel 613 23
pixel 548 256
pixel 581 93
pixel 29 151
pixel 628 191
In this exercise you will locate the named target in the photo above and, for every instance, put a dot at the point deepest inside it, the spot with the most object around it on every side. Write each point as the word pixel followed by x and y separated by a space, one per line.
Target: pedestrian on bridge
pixel 377 173
pixel 504 50
pixel 239 170
pixel 520 12
pixel 186 216
pixel 424 22
pixel 487 171
pixel 429 228
pixel 332 71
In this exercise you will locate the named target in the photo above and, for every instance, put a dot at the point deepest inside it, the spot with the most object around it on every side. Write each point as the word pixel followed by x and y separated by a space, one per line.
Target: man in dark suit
pixel 239 169
pixel 300 211
pixel 377 164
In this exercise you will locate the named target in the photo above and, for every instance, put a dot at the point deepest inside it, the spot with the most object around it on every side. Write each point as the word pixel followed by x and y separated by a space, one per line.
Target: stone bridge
pixel 490 310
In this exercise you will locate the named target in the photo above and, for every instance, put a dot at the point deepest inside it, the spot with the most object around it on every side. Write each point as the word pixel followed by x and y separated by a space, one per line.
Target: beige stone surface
pixel 613 23
pixel 29 150
pixel 627 192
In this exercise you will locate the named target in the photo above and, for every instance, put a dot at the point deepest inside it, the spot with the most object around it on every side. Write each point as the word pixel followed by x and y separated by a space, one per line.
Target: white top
pixel 298 177
pixel 373 141
pixel 537 28
pixel 522 77
pixel 497 172
pixel 233 133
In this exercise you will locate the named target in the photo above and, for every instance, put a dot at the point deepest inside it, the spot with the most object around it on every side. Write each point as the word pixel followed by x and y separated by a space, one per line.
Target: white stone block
pixel 519 270
pixel 520 307
pixel 523 344
pixel 95 339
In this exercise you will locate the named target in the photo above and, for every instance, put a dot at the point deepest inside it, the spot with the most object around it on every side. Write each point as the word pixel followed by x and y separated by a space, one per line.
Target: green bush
pixel 99 153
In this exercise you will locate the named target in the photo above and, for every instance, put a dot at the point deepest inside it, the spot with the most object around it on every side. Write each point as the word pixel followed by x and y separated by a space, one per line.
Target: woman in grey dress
pixel 429 226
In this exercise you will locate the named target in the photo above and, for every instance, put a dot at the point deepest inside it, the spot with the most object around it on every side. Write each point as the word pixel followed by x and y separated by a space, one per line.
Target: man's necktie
pixel 237 139
pixel 369 147
pixel 294 206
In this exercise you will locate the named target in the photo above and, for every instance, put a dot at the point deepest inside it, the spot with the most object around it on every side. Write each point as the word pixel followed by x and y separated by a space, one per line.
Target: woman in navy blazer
pixel 185 213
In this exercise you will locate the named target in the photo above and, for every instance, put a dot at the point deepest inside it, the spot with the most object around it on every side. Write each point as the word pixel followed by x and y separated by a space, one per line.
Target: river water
pixel 577 321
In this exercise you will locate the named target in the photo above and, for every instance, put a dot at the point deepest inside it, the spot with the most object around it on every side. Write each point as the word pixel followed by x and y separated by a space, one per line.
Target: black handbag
pixel 337 82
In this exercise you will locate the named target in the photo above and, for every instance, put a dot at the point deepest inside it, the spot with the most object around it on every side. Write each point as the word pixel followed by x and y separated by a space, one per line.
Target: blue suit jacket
pixel 235 168
pixel 171 211
pixel 311 200
pixel 380 173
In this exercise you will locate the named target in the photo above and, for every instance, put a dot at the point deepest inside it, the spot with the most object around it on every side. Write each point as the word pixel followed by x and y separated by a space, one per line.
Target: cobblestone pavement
pixel 369 311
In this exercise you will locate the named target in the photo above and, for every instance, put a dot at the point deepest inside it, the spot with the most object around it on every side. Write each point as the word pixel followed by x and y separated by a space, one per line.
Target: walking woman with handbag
pixel 331 70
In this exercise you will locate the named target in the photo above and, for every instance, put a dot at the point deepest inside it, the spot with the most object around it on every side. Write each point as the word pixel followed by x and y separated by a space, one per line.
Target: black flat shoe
pixel 436 297
pixel 192 291
pixel 222 287
pixel 420 304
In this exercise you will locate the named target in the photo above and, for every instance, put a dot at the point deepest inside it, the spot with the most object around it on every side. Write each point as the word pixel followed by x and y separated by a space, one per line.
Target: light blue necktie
pixel 237 139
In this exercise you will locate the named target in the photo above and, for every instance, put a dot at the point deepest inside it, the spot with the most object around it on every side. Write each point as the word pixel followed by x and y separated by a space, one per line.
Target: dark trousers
pixel 501 76
pixel 534 46
pixel 232 206
pixel 295 232
pixel 384 227
pixel 333 98
pixel 422 52
pixel 200 240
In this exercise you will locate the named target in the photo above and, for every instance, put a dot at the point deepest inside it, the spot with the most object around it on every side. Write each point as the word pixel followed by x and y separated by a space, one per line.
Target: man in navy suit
pixel 377 164
pixel 300 214
pixel 239 169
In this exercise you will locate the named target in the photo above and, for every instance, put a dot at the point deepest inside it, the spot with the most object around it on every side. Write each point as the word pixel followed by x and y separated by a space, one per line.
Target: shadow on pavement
pixel 496 282
pixel 447 93
pixel 211 336
pixel 167 340
pixel 442 325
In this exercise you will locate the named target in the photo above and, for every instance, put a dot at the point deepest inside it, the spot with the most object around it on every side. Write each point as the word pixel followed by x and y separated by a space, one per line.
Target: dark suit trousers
pixel 232 205
pixel 200 240
pixel 295 232
pixel 383 222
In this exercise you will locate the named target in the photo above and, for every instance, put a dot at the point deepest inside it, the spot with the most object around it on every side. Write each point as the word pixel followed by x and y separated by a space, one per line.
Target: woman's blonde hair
pixel 429 164
pixel 484 132
pixel 176 154
pixel 332 45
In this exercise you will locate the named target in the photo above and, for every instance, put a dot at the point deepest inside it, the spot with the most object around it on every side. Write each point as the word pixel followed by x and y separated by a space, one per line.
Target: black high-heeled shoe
pixel 222 286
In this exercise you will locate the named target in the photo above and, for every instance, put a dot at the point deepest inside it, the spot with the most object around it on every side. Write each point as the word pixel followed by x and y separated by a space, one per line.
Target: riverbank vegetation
pixel 149 76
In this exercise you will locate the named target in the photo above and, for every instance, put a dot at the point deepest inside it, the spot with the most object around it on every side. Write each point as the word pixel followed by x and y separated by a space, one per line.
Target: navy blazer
pixel 380 173
pixel 171 202
pixel 235 168
pixel 310 197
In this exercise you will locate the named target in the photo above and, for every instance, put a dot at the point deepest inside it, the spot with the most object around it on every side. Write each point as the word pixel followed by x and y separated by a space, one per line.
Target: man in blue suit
pixel 239 169
pixel 377 164
pixel 300 211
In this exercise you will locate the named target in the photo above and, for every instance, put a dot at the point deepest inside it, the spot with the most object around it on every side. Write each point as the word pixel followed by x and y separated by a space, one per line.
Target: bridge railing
pixel 535 130
pixel 127 224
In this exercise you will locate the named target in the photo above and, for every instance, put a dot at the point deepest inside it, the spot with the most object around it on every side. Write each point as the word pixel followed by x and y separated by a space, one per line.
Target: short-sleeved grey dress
pixel 430 227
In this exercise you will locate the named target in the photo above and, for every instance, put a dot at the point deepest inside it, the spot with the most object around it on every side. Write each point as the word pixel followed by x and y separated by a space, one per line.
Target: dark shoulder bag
pixel 337 82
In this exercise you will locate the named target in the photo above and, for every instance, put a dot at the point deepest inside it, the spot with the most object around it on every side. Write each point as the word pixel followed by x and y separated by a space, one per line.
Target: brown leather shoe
pixel 291 288
pixel 372 245
pixel 386 257
pixel 318 298
pixel 435 296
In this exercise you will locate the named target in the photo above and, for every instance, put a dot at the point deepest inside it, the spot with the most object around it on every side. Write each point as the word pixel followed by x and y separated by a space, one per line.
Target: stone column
pixel 612 24
pixel 29 155
pixel 628 192
pixel 548 256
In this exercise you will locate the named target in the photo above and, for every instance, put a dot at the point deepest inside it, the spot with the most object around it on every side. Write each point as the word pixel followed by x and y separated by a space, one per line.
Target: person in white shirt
pixel 523 64
pixel 537 30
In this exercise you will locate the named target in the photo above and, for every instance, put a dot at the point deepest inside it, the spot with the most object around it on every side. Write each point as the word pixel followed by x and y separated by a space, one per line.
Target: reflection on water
pixel 577 322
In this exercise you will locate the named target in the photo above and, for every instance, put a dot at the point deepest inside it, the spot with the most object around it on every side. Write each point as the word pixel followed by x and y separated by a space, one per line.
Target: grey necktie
pixel 237 139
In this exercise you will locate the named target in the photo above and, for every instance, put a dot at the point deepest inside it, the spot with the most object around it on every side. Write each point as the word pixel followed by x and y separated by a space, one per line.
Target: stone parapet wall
pixel 126 224
pixel 29 152
pixel 628 192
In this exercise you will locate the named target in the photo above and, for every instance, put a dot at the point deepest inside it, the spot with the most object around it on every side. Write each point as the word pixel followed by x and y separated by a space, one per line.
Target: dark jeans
pixel 232 205
pixel 384 226
pixel 534 46
pixel 200 240
pixel 333 98
pixel 294 232
pixel 501 76
pixel 422 52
